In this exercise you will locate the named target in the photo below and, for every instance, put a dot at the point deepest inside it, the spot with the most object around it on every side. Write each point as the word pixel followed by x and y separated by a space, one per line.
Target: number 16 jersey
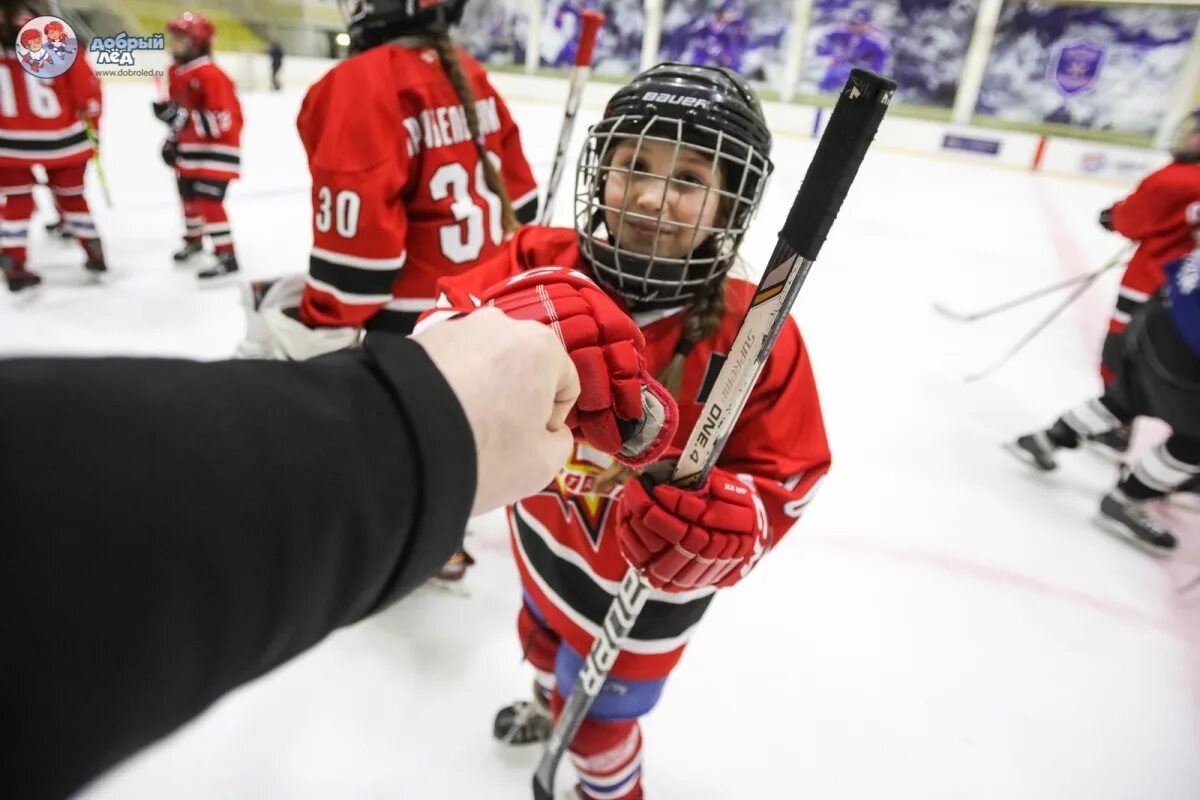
pixel 398 189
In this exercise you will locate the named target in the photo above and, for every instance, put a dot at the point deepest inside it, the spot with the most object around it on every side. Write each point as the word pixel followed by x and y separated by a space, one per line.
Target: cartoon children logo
pixel 46 47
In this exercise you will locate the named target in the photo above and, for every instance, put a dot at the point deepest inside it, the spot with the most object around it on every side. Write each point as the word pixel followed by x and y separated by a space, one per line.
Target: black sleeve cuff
pixel 527 213
pixel 445 459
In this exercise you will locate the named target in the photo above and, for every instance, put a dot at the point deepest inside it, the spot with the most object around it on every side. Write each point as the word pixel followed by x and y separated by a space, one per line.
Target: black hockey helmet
pixel 711 110
pixel 372 22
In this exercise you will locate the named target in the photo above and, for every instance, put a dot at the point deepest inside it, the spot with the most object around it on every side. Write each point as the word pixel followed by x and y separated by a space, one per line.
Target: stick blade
pixel 950 313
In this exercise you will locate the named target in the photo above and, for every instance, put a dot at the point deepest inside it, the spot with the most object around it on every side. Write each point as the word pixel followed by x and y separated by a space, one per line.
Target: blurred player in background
pixel 402 193
pixel 856 43
pixel 47 126
pixel 1163 217
pixel 1155 371
pixel 659 218
pixel 204 143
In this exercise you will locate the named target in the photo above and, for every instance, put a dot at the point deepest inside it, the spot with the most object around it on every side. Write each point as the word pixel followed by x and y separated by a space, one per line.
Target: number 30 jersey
pixel 398 190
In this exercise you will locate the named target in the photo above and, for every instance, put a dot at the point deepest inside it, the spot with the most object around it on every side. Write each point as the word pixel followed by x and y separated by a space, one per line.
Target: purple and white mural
pixel 1105 68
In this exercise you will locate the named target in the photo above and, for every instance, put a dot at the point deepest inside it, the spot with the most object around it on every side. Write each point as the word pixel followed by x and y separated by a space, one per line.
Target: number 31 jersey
pixel 398 190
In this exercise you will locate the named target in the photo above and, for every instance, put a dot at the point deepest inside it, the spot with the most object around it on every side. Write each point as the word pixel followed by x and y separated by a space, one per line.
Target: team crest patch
pixel 575 490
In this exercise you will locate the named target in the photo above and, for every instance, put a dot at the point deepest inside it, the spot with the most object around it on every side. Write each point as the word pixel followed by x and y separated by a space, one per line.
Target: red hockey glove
pixel 621 409
pixel 680 540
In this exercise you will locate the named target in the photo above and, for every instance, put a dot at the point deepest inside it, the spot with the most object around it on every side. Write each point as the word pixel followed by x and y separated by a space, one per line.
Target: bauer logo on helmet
pixel 46 47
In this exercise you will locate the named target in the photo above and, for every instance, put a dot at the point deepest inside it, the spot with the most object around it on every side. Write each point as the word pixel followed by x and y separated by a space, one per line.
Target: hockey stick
pixel 852 126
pixel 961 316
pixel 1041 326
pixel 94 138
pixel 592 20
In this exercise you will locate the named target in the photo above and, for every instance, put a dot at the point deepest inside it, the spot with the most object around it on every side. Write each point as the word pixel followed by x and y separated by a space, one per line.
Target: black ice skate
pixel 1035 449
pixel 94 265
pixel 524 722
pixel 190 249
pixel 454 569
pixel 59 229
pixel 1128 519
pixel 1112 445
pixel 220 273
pixel 21 282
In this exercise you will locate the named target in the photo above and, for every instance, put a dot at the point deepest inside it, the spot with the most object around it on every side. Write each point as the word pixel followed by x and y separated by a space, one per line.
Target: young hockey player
pixel 1156 373
pixel 47 126
pixel 203 145
pixel 667 184
pixel 404 195
pixel 1163 217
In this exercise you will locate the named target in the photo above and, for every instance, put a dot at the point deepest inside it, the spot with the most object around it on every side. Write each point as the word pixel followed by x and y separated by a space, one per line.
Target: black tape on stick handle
pixel 852 126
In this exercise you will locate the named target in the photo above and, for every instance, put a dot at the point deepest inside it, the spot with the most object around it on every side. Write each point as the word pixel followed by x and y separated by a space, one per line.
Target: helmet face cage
pixel 739 172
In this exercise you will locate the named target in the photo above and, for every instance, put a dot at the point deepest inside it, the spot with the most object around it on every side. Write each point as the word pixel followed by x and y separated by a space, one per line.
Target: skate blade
pixel 217 283
pixel 26 297
pixel 1024 456
pixel 454 587
pixel 1118 530
pixel 1105 453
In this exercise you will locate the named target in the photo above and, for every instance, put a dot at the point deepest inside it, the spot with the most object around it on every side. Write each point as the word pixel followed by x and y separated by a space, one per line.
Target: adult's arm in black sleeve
pixel 171 529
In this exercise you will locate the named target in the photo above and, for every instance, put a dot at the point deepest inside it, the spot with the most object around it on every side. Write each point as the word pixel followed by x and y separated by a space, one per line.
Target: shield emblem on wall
pixel 1077 66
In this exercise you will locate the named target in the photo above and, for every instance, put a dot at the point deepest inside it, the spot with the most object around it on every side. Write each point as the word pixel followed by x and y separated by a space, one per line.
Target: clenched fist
pixel 516 385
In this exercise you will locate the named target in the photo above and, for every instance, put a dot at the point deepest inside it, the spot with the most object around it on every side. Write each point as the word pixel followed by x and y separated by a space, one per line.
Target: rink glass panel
pixel 1104 68
pixel 922 44
pixel 748 36
pixel 494 31
pixel 618 44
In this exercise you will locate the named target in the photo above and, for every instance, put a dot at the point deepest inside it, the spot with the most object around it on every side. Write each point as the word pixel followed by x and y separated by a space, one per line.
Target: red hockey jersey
pixel 563 537
pixel 1163 217
pixel 42 120
pixel 398 192
pixel 209 137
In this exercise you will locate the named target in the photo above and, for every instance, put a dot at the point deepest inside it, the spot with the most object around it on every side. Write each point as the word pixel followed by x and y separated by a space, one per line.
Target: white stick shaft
pixel 577 80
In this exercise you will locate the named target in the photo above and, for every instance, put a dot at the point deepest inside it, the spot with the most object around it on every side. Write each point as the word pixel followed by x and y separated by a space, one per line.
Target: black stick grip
pixel 852 126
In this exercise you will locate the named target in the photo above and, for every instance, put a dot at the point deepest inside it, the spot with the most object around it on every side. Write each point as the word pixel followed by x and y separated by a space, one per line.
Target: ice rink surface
pixel 941 624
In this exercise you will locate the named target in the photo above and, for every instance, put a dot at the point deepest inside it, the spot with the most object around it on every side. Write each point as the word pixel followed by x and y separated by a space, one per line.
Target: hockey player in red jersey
pixel 204 143
pixel 667 184
pixel 403 196
pixel 1163 217
pixel 45 122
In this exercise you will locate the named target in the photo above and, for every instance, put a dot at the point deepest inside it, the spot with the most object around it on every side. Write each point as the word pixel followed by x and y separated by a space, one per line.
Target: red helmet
pixel 54 26
pixel 30 35
pixel 195 26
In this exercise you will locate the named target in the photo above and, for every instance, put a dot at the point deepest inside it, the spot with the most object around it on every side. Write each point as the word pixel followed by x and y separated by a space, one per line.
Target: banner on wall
pixel 494 31
pixel 922 44
pixel 745 35
pixel 618 45
pixel 1105 68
